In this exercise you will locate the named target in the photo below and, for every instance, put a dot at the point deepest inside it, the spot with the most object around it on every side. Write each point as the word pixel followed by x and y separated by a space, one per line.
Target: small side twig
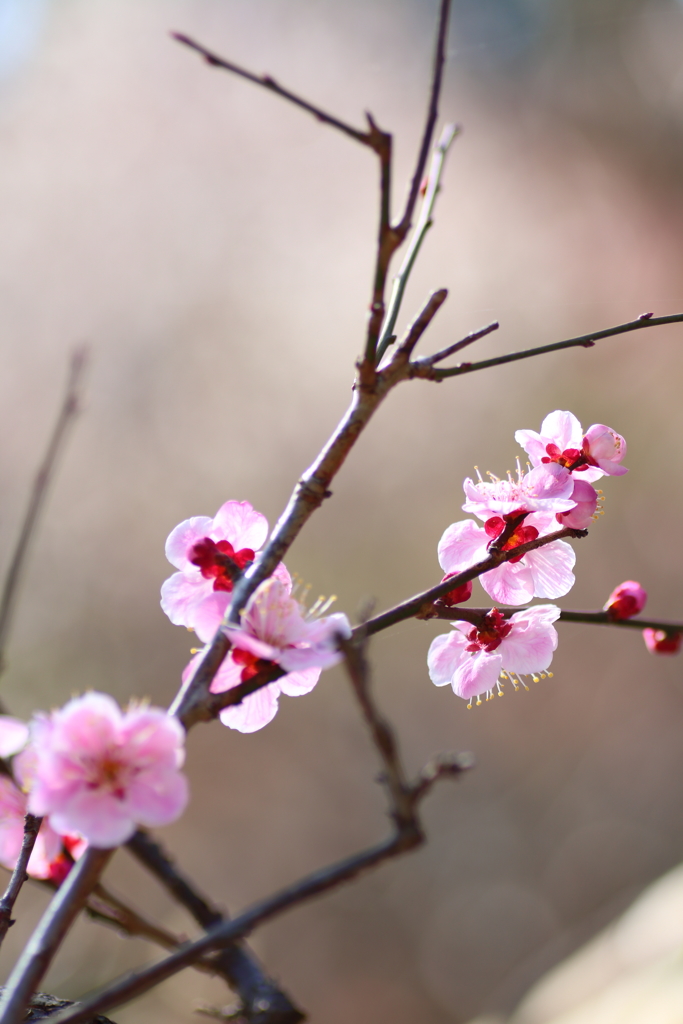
pixel 450 350
pixel 597 618
pixel 19 876
pixel 68 411
pixel 262 1001
pixel 425 370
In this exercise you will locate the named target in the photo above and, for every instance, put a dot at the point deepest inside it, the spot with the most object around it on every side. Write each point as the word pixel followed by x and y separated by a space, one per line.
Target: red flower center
pixel 211 559
pixel 252 663
pixel 488 634
pixel 573 459
pixel 522 534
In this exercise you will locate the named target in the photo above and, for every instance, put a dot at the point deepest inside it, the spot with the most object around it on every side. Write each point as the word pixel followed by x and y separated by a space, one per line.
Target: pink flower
pixel 582 515
pixel 195 547
pixel 626 600
pixel 544 489
pixel 658 641
pixel 48 847
pixel 473 659
pixel 597 452
pixel 273 630
pixel 544 572
pixel 99 771
pixel 13 735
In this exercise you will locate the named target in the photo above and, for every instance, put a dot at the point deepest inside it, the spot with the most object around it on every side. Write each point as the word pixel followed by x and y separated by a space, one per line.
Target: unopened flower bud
pixel 459 594
pixel 626 600
pixel 658 641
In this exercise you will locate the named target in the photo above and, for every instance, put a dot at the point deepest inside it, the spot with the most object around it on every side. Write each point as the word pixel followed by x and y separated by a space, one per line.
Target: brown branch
pixel 262 1000
pixel 365 138
pixel 600 618
pixel 450 350
pixel 19 876
pixel 67 412
pixel 423 369
pixel 43 1006
pixel 404 799
pixel 421 606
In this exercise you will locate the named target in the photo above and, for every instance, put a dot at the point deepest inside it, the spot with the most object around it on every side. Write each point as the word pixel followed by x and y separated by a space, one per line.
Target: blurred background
pixel 214 247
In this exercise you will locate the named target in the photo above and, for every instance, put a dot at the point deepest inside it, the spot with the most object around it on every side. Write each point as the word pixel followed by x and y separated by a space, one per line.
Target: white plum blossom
pixel 477 660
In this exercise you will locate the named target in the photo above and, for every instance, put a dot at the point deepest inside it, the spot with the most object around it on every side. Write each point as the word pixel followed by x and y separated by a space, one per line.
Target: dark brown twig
pixel 19 876
pixel 262 1001
pixel 47 937
pixel 599 618
pixel 450 350
pixel 266 82
pixel 69 409
pixel 422 368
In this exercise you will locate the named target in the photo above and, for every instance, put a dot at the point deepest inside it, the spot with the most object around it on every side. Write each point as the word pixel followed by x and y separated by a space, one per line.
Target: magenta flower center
pixel 108 772
pixel 522 535
pixel 572 459
pixel 488 634
pixel 251 662
pixel 213 561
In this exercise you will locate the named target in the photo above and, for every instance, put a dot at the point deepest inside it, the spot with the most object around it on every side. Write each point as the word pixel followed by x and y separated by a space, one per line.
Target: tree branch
pixel 262 1001
pixel 68 411
pixel 46 938
pixel 19 876
pixel 425 370
pixel 365 138
pixel 599 618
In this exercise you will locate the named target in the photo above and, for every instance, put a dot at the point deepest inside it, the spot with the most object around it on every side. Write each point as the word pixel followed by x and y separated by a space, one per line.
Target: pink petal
pixel 477 674
pixel 529 646
pixel 295 684
pixel 446 653
pixel 13 735
pixel 157 797
pixel 533 444
pixel 181 594
pixel 508 583
pixel 563 429
pixel 241 524
pixel 100 817
pixel 254 712
pixel 551 569
pixel 185 536
pixel 462 545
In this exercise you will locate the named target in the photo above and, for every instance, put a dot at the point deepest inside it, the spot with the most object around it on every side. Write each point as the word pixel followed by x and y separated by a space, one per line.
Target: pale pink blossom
pixel 626 600
pixel 562 441
pixel 100 772
pixel 659 641
pixel 195 547
pixel 542 572
pixel 273 630
pixel 544 489
pixel 585 499
pixel 13 735
pixel 480 659
pixel 48 847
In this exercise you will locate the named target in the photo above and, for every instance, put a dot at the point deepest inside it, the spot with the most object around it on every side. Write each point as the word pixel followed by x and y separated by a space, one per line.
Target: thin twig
pixel 422 321
pixel 69 409
pixel 47 937
pixel 423 225
pixel 421 605
pixel 421 369
pixel 599 618
pixel 19 876
pixel 267 82
pixel 450 350
pixel 261 998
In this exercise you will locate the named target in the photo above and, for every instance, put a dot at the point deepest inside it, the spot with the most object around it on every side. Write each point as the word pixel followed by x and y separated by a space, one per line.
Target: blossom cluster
pixel 275 630
pixel 555 492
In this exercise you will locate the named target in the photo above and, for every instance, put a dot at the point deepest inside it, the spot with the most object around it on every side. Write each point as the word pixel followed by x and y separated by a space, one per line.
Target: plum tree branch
pixel 19 876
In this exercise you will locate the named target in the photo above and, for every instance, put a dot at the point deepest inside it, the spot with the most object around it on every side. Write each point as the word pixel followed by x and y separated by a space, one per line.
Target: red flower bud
pixel 626 600
pixel 658 641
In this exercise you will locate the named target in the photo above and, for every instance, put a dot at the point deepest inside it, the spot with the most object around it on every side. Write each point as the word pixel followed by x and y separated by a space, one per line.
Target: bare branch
pixel 365 138
pixel 598 618
pixel 19 876
pixel 421 606
pixel 69 409
pixel 421 369
pixel 422 321
pixel 450 350
pixel 403 227
pixel 262 1000
pixel 421 228
pixel 52 928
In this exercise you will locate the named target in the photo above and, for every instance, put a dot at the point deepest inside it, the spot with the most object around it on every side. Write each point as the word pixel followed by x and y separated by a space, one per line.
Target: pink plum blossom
pixel 561 441
pixel 273 630
pixel 48 848
pixel 543 572
pixel 585 499
pixel 13 735
pixel 626 600
pixel 544 489
pixel 474 659
pixel 197 548
pixel 100 772
pixel 658 641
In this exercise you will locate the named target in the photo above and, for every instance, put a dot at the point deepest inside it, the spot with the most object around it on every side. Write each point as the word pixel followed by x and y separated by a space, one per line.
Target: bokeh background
pixel 214 247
